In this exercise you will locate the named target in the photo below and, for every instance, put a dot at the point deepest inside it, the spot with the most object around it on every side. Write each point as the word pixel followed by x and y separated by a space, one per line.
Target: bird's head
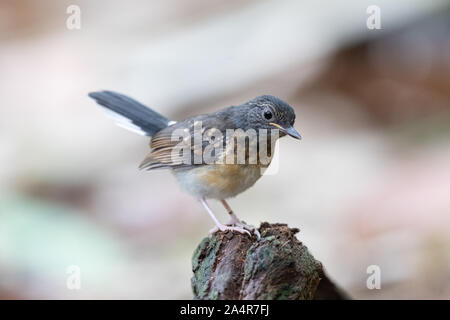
pixel 269 112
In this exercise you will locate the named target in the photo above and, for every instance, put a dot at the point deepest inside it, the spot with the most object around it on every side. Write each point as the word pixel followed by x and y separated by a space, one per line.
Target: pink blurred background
pixel 368 185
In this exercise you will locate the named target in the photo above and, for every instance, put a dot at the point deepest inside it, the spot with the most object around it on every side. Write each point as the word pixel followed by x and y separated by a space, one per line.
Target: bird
pixel 226 171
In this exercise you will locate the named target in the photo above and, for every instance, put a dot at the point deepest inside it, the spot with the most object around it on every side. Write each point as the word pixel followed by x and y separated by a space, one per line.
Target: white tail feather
pixel 124 122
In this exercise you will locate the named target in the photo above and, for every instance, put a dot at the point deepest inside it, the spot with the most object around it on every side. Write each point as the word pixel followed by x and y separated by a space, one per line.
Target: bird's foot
pixel 224 227
pixel 252 229
pixel 234 221
pixel 239 226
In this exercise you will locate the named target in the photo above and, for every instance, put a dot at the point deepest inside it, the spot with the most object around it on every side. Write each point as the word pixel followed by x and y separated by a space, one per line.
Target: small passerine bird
pixel 213 156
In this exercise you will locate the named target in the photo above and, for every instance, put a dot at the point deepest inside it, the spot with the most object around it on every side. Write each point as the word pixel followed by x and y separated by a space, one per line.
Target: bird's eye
pixel 268 114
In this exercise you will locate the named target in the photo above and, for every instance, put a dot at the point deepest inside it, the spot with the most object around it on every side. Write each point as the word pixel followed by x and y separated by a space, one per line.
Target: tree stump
pixel 234 266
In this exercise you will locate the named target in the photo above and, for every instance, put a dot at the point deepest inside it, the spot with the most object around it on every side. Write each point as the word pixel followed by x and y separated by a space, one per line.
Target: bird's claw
pixel 252 229
pixel 239 227
pixel 224 228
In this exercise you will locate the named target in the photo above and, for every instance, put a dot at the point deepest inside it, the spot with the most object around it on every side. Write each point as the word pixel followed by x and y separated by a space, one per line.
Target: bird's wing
pixel 176 146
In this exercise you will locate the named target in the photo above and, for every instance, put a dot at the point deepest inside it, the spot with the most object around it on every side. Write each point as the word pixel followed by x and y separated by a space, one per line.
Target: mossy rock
pixel 235 266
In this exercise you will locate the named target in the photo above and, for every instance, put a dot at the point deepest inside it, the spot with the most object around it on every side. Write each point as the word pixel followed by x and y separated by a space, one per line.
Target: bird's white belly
pixel 218 181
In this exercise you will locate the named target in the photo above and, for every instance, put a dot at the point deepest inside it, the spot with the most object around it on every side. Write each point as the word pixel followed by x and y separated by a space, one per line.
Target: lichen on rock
pixel 235 266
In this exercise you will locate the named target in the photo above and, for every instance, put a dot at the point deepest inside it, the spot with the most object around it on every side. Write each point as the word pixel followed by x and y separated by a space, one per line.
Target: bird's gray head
pixel 269 112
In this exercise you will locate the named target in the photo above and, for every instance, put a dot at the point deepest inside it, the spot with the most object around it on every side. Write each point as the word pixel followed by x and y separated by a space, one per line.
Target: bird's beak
pixel 289 130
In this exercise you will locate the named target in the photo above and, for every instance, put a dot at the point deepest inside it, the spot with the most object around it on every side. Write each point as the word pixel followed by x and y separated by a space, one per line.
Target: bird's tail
pixel 130 114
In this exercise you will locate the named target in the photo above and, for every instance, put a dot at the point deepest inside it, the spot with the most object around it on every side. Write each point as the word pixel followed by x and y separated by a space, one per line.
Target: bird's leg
pixel 234 218
pixel 220 226
pixel 236 222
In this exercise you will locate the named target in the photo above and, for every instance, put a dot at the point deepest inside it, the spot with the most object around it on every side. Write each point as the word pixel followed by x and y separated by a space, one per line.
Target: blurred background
pixel 369 184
